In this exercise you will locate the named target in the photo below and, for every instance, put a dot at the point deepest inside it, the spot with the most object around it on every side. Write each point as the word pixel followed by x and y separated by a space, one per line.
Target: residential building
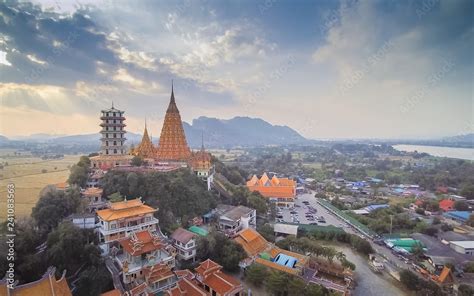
pixel 463 247
pixel 47 285
pixel 282 191
pixel 215 282
pixel 185 243
pixel 458 216
pixel 186 287
pixel 141 254
pixel 233 219
pixel 94 178
pixel 123 218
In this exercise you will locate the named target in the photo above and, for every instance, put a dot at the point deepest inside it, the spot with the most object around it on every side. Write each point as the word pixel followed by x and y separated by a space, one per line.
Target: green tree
pixel 468 191
pixel 461 205
pixel 256 274
pixel 465 290
pixel 409 279
pixel 137 161
pixel 80 172
pixel 53 206
pixel 115 197
pixel 267 232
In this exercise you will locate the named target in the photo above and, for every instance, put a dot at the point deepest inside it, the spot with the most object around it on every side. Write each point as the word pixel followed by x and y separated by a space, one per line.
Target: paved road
pixel 392 261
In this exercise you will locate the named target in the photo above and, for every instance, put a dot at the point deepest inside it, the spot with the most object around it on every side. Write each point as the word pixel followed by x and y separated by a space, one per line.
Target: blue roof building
pixel 460 216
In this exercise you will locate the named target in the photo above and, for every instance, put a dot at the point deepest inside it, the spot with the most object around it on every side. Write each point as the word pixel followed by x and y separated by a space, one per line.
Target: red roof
pixel 446 205
pixel 182 235
pixel 222 283
pixel 140 243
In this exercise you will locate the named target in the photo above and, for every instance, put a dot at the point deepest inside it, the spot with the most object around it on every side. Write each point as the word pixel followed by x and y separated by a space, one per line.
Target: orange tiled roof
pixel 157 273
pixel 61 186
pixel 125 209
pixel 185 273
pixel 275 187
pixel 276 266
pixel 141 242
pixel 222 283
pixel 114 292
pixel 46 286
pixel 138 289
pixel 186 287
pixel 446 204
pixel 93 192
pixel 444 275
pixel 207 267
pixel 252 242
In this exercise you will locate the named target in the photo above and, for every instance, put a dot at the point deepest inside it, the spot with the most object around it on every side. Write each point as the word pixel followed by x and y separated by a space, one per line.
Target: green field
pixel 28 175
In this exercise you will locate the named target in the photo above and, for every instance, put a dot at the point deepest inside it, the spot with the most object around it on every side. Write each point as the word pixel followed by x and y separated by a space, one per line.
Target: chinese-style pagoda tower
pixel 145 149
pixel 173 145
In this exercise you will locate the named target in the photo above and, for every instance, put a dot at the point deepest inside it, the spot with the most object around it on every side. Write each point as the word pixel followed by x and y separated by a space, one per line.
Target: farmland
pixel 30 175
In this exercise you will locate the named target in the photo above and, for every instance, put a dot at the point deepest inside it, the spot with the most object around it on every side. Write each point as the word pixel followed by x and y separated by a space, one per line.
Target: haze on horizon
pixel 328 69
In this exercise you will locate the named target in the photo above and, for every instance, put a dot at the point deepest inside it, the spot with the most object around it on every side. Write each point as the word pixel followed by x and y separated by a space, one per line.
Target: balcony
pixel 138 264
pixel 113 124
pixel 127 229
pixel 117 117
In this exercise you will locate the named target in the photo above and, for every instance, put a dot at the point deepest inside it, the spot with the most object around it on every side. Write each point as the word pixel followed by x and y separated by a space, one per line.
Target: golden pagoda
pixel 173 145
pixel 145 149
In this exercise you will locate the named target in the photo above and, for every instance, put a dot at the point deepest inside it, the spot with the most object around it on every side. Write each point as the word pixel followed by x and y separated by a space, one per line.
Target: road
pixel 392 261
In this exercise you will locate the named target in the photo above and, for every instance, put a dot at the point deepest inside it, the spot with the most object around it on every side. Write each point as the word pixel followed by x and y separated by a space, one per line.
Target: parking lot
pixel 301 209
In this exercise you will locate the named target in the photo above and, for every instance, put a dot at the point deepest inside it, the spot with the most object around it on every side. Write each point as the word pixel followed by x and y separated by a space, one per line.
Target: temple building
pixel 47 285
pixel 145 149
pixel 279 190
pixel 173 145
pixel 112 150
pixel 123 218
pixel 173 149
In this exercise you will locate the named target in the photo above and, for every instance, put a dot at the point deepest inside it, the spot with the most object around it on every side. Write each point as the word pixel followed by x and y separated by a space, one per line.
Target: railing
pixel 128 228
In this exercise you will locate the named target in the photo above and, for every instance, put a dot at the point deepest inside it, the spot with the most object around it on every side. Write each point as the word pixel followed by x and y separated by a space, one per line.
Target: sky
pixel 327 68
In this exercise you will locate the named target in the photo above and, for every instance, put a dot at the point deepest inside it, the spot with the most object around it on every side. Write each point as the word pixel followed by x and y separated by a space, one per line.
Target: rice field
pixel 30 175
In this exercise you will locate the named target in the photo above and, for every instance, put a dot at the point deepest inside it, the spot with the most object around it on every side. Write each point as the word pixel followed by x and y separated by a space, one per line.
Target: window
pixel 106 151
pixel 115 143
pixel 106 143
pixel 115 151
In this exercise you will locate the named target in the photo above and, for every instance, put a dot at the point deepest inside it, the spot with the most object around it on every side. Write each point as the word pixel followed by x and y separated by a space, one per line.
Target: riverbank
pixel 450 152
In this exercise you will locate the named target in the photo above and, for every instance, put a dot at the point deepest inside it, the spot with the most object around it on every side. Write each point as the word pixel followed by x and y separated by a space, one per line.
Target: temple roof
pixel 173 145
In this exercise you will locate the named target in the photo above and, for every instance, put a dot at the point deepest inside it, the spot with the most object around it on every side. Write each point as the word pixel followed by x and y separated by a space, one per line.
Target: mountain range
pixel 216 133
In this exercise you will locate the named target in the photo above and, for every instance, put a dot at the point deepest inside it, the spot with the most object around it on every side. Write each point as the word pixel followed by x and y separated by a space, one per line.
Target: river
pixel 451 152
pixel 368 282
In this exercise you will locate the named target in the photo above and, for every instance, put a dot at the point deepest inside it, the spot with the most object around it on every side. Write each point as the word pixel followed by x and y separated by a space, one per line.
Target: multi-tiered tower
pixel 113 132
pixel 173 145
pixel 112 149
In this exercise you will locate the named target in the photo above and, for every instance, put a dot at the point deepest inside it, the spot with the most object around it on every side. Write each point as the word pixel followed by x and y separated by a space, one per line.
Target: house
pixel 215 282
pixel 47 285
pixel 185 243
pixel 143 252
pixel 237 218
pixel 463 247
pixel 282 191
pixel 446 205
pixel 123 218
pixel 458 216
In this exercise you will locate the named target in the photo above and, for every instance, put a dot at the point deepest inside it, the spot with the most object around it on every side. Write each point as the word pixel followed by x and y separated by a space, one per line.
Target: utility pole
pixel 391 224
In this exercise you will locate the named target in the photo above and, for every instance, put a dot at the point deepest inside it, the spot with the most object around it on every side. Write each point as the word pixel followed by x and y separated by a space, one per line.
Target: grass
pixel 26 172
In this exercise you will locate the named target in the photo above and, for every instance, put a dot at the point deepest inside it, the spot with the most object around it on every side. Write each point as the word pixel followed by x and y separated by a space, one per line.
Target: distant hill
pixel 239 131
pixel 467 138
pixel 218 133
pixel 3 139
